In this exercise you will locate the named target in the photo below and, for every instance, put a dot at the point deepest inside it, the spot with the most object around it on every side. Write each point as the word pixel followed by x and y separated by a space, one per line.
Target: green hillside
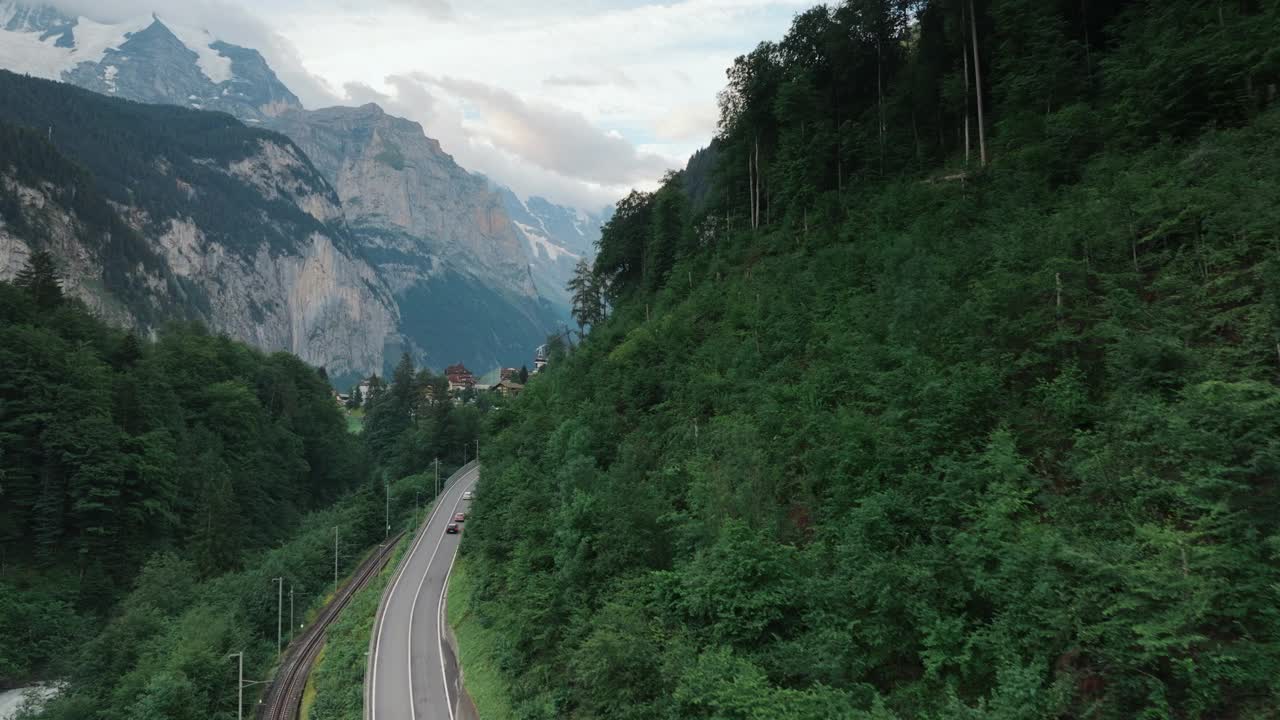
pixel 922 416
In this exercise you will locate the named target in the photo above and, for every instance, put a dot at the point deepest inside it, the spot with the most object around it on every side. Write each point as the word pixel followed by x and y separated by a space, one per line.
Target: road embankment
pixel 476 647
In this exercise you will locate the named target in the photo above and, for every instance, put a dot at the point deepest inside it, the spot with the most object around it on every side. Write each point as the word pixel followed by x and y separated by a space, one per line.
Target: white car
pixel 466 495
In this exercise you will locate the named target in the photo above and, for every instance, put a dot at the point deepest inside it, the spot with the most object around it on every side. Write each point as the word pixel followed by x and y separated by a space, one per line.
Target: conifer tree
pixel 41 280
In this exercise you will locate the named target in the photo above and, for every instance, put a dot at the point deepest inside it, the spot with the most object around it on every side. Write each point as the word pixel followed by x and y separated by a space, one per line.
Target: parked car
pixel 466 495
pixel 452 529
pixel 459 517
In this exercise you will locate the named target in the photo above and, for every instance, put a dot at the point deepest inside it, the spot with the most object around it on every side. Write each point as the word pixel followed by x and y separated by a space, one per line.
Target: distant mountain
pixel 470 283
pixel 555 238
pixel 436 234
pixel 146 60
pixel 159 213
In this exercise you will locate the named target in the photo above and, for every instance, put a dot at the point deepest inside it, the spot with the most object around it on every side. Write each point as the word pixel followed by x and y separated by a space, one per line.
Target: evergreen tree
pixel 586 296
pixel 39 277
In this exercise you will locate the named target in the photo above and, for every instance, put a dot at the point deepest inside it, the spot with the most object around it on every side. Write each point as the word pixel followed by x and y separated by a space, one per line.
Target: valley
pixel 925 366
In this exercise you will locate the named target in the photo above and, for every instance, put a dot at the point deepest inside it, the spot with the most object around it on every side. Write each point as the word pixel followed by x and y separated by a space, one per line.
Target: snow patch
pixel 109 74
pixel 214 66
pixel 537 240
pixel 25 52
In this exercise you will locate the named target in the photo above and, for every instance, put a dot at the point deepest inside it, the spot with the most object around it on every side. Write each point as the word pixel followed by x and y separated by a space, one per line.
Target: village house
pixel 508 388
pixel 460 378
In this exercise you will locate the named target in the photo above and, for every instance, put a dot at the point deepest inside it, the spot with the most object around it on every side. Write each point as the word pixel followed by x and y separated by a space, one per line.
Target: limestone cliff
pixel 430 228
pixel 185 215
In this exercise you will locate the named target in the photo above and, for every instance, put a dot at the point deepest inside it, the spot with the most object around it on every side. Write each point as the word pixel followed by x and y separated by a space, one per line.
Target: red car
pixel 452 529
pixel 459 517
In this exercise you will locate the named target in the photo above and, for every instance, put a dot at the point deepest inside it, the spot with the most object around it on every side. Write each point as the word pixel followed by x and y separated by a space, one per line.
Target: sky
pixel 577 100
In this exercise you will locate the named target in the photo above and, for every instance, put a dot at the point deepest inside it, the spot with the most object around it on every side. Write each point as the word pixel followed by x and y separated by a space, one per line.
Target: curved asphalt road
pixel 412 673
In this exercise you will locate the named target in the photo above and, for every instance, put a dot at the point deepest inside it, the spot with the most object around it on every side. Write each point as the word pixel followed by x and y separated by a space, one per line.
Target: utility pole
pixel 464 453
pixel 477 449
pixel 437 477
pixel 387 517
pixel 335 560
pixel 279 616
pixel 241 685
pixel 290 613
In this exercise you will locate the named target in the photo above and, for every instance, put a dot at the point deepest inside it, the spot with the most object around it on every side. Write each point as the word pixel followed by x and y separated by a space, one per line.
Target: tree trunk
pixel 964 54
pixel 1057 279
pixel 977 79
pixel 880 98
pixel 752 161
pixel 1088 57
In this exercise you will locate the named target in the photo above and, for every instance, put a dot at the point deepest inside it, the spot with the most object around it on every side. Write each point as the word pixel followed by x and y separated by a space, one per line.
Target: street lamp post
pixel 290 613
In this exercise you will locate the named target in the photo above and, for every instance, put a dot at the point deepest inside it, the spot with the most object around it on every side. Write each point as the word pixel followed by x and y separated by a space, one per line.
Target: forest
pixel 152 489
pixel 943 385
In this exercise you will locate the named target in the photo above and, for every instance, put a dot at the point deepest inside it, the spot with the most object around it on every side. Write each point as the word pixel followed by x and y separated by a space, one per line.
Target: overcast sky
pixel 577 100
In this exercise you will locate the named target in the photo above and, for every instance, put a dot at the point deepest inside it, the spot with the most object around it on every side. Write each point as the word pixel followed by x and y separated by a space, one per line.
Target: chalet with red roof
pixel 460 378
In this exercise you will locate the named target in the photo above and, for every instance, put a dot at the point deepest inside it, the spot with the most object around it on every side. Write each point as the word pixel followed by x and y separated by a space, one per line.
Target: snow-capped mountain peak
pixel 146 59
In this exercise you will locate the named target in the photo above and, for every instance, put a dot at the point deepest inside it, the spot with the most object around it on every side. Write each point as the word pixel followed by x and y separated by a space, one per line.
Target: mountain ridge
pixel 161 213
pixel 429 222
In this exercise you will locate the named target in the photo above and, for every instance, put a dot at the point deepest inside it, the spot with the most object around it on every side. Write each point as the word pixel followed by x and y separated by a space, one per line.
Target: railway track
pixel 283 698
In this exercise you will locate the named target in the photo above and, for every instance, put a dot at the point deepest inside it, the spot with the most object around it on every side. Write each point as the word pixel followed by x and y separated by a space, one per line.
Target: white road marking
pixel 440 629
pixel 373 696
pixel 413 609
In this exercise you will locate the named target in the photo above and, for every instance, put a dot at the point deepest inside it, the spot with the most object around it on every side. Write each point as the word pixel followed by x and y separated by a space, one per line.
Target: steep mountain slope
pixel 431 230
pixel 162 213
pixel 891 428
pixel 555 237
pixel 436 233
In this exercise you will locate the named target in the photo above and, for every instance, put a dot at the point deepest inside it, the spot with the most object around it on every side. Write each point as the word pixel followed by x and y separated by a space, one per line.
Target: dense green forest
pixel 151 489
pixel 953 393
pixel 116 449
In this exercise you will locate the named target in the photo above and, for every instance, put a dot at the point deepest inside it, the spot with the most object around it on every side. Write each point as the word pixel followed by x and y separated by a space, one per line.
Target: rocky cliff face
pixel 401 191
pixel 426 224
pixel 247 237
pixel 433 234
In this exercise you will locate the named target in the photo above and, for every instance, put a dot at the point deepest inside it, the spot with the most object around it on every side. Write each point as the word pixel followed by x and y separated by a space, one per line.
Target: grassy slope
pixel 478 647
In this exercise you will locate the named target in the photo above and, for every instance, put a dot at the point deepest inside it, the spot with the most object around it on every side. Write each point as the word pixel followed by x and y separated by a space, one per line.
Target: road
pixel 412 673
